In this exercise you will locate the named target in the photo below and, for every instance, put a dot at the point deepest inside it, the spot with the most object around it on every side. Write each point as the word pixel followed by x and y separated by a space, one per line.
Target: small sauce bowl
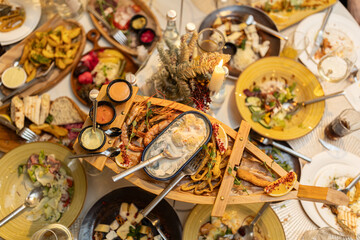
pixel 90 141
pixel 105 113
pixel 229 48
pixel 146 36
pixel 138 22
pixel 119 91
pixel 13 77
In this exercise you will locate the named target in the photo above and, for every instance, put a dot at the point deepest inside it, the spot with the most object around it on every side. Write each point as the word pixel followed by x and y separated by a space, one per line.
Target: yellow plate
pixel 13 192
pixel 269 222
pixel 308 87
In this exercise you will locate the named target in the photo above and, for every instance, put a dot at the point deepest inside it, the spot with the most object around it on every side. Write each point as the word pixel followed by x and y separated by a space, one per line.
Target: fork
pixel 24 133
pixel 40 78
pixel 117 34
pixel 268 141
pixel 156 223
pixel 189 170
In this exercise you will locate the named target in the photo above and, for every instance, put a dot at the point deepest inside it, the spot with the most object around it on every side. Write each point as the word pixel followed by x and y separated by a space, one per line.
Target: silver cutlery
pixel 31 200
pixel 189 170
pixel 293 107
pixel 250 20
pixel 156 223
pixel 268 141
pixel 24 133
pixel 351 184
pixel 319 36
pixel 329 146
pixel 40 78
pixel 117 34
pixel 110 152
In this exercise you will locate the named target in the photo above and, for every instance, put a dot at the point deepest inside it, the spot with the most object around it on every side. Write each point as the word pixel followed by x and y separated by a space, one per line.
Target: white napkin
pixel 352 94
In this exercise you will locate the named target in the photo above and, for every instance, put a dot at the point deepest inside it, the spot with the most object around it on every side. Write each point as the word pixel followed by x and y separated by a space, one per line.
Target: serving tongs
pixel 40 78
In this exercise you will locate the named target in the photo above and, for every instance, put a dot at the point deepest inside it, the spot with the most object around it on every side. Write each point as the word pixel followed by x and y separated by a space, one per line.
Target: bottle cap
pixel 190 27
pixel 171 15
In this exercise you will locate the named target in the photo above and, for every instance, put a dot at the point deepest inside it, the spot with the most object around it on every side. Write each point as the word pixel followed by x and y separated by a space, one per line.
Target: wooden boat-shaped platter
pixel 94 36
pixel 253 160
pixel 152 23
pixel 56 75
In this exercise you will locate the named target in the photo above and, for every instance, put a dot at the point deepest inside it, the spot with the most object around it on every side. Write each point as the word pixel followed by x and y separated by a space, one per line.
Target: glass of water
pixel 337 64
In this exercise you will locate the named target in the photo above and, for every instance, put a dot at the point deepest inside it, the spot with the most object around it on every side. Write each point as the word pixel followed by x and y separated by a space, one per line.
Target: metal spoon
pixel 247 231
pixel 164 154
pixel 250 20
pixel 110 152
pixel 93 95
pixel 113 132
pixel 31 200
pixel 293 107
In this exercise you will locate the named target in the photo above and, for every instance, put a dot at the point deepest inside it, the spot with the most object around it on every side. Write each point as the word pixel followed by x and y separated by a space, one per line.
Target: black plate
pixel 240 14
pixel 107 208
pixel 206 140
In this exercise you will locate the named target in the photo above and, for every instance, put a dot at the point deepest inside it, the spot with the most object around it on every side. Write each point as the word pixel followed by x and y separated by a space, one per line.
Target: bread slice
pixel 347 220
pixel 17 112
pixel 32 108
pixel 64 112
pixel 44 108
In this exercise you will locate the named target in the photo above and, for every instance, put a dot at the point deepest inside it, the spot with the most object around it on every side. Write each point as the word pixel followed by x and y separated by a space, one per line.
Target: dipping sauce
pixel 104 114
pixel 183 139
pixel 13 77
pixel 147 36
pixel 92 140
pixel 138 23
pixel 119 91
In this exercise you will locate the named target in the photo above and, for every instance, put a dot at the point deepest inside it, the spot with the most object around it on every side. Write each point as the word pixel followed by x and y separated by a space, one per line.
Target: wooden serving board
pixel 94 36
pixel 10 140
pixel 56 75
pixel 152 23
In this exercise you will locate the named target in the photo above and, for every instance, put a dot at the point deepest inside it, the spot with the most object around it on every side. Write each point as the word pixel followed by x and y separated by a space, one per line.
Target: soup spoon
pixel 110 152
pixel 164 154
pixel 113 132
pixel 293 107
pixel 250 20
pixel 31 200
pixel 247 231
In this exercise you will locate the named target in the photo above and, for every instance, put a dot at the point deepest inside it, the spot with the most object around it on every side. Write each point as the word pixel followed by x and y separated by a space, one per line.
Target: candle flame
pixel 221 63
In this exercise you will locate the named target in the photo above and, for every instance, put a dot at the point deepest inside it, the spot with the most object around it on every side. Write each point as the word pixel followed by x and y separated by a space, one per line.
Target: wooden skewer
pixel 228 180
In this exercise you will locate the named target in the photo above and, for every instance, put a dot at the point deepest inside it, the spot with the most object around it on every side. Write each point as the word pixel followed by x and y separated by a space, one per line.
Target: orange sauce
pixel 104 114
pixel 119 91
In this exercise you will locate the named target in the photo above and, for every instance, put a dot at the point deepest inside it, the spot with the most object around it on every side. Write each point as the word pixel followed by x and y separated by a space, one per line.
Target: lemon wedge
pixel 6 117
pixel 220 137
pixel 281 186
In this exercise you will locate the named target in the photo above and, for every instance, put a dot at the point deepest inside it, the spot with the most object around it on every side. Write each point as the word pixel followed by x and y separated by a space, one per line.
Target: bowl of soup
pixel 119 91
pixel 105 113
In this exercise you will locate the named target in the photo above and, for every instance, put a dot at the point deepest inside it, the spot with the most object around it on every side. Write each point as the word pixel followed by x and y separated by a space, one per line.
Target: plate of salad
pixel 40 164
pixel 264 89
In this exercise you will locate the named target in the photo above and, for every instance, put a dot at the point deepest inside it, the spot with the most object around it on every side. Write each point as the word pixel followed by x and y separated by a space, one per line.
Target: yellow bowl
pixel 13 191
pixel 269 222
pixel 308 87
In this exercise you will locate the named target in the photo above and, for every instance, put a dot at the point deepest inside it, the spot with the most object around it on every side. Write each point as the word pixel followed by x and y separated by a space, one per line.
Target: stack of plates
pixel 32 16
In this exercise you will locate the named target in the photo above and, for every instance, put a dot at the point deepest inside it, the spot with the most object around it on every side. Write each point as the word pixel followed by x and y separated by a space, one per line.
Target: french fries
pixel 59 45
pixel 52 129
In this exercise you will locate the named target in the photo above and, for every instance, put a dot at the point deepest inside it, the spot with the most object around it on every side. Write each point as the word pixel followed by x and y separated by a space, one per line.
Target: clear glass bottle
pixel 171 33
pixel 69 8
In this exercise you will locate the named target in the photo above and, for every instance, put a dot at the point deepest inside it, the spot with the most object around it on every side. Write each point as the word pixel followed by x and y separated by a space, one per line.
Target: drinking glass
pixel 347 122
pixel 294 46
pixel 53 232
pixel 337 64
pixel 210 40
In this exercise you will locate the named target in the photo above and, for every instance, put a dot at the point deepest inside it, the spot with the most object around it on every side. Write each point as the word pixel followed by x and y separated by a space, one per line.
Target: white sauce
pixel 182 139
pixel 13 77
pixel 92 140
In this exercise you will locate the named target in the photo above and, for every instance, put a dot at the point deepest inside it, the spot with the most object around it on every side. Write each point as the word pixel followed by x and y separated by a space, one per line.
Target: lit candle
pixel 217 78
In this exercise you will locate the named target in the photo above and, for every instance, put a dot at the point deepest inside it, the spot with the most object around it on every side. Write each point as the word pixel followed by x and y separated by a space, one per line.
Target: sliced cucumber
pixel 255 109
pixel 253 101
pixel 264 124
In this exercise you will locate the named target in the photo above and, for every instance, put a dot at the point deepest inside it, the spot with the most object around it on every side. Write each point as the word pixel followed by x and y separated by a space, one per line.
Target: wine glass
pixel 337 64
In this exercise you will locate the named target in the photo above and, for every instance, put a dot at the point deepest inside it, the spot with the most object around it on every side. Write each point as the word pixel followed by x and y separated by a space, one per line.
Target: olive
pixel 80 70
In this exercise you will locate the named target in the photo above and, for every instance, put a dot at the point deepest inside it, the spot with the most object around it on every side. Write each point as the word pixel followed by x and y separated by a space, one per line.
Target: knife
pixel 319 36
pixel 329 146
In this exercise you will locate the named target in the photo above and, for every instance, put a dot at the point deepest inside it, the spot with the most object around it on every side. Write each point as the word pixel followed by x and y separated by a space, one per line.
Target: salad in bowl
pixel 58 187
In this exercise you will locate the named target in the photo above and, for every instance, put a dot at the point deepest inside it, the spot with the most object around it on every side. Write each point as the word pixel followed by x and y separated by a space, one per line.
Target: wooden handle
pixel 93 36
pixel 322 194
pixel 228 180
